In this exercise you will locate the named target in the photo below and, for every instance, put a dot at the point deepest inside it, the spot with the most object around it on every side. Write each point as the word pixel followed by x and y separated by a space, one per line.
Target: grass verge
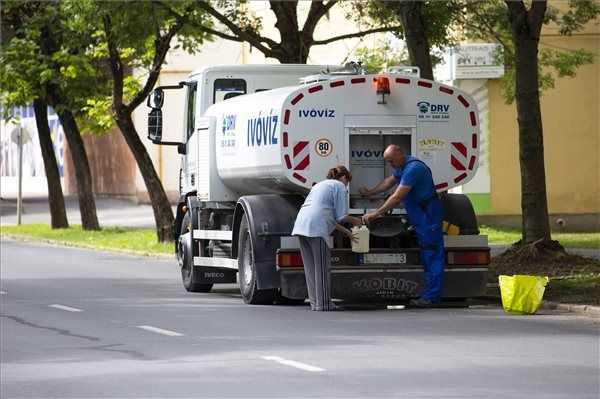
pixel 573 279
pixel 583 289
pixel 139 241
pixel 569 240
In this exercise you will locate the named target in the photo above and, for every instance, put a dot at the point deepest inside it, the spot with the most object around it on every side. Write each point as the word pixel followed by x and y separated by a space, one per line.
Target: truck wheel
pixel 247 271
pixel 185 257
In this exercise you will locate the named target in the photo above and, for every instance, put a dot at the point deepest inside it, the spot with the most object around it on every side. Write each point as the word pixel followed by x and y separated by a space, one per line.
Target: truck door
pixel 366 147
pixel 189 170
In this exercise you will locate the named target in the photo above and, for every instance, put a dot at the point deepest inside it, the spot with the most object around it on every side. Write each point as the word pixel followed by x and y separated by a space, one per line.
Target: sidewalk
pixel 111 212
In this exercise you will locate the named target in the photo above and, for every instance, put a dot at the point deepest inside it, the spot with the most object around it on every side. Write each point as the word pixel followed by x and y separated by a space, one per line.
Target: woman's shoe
pixel 332 307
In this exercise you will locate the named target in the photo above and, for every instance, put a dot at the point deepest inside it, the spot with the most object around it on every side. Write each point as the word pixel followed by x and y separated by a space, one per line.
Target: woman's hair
pixel 339 171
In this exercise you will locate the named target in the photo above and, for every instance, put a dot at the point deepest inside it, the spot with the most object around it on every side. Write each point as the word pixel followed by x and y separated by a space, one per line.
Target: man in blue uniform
pixel 424 208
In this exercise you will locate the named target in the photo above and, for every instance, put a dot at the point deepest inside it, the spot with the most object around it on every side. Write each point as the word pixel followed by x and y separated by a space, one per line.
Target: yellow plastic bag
pixel 522 294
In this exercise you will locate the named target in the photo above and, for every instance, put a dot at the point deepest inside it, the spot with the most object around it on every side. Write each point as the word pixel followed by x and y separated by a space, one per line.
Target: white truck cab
pixel 257 138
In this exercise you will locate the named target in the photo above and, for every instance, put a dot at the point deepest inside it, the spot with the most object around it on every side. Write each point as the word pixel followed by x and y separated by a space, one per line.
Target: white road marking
pixel 292 363
pixel 396 307
pixel 63 307
pixel 2 292
pixel 161 331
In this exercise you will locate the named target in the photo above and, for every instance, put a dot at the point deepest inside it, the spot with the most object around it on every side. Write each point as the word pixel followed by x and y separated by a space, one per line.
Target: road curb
pixel 587 310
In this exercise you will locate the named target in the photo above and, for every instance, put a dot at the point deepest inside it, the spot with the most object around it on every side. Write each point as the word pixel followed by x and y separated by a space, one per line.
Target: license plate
pixel 383 258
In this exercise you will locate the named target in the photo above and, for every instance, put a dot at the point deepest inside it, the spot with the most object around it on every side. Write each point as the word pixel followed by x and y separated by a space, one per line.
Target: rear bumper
pixel 387 283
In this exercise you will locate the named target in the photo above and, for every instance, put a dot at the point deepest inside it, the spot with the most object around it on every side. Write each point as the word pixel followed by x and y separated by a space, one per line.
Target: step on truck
pixel 257 138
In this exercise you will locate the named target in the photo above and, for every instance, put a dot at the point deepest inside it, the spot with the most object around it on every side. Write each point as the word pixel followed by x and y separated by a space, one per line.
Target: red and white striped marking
pixel 301 155
pixel 458 156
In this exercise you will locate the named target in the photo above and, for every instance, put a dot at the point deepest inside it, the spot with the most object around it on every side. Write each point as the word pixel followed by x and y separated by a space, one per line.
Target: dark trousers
pixel 316 257
pixel 428 224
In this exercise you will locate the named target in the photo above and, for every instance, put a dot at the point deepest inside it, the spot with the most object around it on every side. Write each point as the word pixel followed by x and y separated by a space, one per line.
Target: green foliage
pixel 383 54
pixel 440 18
pixel 579 13
pixel 239 13
pixel 136 25
pixel 71 35
pixel 488 21
pixel 45 48
pixel 98 115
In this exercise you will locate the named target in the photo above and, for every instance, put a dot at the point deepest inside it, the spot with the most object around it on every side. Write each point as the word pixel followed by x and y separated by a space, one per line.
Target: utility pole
pixel 20 136
pixel 20 192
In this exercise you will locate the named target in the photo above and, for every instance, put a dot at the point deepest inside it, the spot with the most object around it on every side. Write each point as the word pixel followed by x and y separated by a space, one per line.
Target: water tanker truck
pixel 257 138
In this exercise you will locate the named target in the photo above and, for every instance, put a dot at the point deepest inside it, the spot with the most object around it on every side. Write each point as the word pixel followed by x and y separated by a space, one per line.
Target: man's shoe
pixel 421 303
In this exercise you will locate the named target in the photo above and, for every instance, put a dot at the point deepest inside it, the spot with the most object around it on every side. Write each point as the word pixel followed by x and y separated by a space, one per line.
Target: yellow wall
pixel 571 121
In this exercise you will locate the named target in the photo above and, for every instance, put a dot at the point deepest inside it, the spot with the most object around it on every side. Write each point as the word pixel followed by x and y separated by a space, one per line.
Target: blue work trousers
pixel 427 219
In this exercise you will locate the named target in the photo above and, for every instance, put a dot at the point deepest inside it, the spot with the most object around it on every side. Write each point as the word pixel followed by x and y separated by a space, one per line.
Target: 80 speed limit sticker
pixel 323 147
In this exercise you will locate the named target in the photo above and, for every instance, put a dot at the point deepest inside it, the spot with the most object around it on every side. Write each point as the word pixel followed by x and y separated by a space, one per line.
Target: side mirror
pixel 157 98
pixel 155 125
pixel 155 101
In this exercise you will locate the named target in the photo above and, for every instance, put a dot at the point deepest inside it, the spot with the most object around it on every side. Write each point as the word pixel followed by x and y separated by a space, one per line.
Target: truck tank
pixel 285 140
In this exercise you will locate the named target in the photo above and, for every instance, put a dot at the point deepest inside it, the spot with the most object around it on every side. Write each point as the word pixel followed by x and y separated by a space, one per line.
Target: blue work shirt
pixel 417 176
pixel 326 204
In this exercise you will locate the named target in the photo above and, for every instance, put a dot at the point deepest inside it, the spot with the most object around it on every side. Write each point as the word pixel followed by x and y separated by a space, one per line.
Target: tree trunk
pixel 534 203
pixel 411 17
pixel 56 200
pixel 87 204
pixel 163 214
pixel 526 26
pixel 292 52
pixel 295 44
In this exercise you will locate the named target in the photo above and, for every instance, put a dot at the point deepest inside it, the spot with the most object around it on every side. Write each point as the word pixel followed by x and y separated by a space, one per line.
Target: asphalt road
pixel 86 324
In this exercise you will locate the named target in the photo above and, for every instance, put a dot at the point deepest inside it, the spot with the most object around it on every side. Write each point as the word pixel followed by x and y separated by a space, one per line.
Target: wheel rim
pixel 186 270
pixel 180 253
pixel 247 261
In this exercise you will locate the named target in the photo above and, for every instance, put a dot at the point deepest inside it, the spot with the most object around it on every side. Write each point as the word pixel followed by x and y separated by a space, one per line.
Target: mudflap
pixel 216 275
pixel 387 285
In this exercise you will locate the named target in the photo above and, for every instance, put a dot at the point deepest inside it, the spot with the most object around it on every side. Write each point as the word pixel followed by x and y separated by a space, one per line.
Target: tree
pixel 39 61
pixel 410 14
pixel 295 40
pixel 489 21
pixel 531 70
pixel 426 26
pixel 137 36
pixel 33 69
pixel 526 28
pixel 17 83
pixel 56 200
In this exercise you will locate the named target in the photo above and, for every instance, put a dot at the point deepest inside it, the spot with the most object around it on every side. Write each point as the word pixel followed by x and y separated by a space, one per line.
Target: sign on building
pixel 477 61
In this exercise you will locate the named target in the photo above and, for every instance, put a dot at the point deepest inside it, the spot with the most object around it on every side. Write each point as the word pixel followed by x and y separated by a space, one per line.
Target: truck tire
pixel 459 211
pixel 185 257
pixel 247 270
